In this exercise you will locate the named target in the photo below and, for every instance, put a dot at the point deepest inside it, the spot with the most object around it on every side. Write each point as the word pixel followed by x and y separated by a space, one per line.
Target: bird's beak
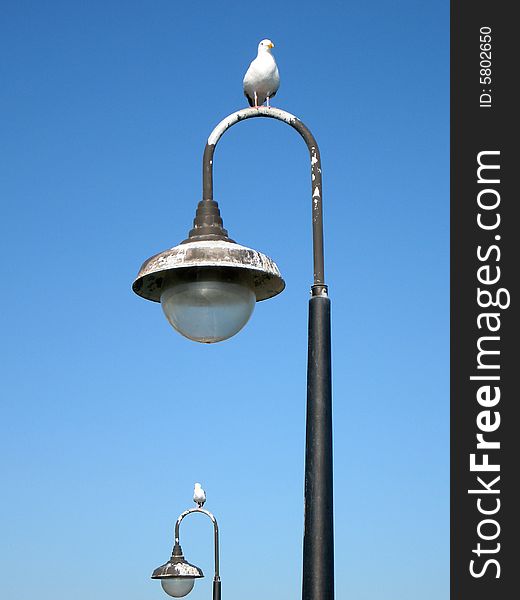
pixel 271 45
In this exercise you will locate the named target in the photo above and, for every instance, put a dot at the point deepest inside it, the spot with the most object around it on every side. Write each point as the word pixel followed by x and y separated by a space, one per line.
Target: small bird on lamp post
pixel 199 495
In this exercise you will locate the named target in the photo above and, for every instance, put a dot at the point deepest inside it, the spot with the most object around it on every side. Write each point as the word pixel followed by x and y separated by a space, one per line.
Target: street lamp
pixel 178 576
pixel 207 286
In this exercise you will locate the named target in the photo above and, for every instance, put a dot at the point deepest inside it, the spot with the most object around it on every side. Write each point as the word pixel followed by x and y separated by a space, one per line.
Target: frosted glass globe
pixel 177 586
pixel 208 311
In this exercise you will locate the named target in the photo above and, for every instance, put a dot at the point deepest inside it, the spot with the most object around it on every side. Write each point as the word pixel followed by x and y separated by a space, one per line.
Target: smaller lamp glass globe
pixel 208 311
pixel 177 587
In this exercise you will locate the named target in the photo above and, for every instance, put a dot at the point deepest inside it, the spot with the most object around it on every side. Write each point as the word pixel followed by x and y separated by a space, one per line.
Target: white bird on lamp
pixel 199 495
pixel 262 80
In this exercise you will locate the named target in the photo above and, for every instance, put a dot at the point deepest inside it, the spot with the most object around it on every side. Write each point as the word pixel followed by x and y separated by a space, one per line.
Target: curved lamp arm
pixel 215 529
pixel 319 288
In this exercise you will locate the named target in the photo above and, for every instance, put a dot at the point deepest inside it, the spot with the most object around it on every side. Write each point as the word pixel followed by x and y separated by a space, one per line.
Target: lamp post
pixel 208 286
pixel 178 576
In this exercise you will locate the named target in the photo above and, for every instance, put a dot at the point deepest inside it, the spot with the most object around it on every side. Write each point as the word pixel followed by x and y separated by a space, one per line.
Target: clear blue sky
pixel 108 416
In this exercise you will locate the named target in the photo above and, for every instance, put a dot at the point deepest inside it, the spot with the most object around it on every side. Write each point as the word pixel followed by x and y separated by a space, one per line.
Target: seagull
pixel 199 495
pixel 262 80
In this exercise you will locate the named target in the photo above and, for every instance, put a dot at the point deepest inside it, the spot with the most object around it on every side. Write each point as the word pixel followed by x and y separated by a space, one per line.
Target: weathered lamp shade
pixel 208 288
pixel 177 575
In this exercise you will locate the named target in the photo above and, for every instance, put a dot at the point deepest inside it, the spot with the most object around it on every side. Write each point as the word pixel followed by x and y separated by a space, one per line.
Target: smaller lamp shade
pixel 177 575
pixel 178 587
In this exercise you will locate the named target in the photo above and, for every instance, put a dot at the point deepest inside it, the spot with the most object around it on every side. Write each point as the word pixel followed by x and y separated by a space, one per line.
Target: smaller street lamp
pixel 178 575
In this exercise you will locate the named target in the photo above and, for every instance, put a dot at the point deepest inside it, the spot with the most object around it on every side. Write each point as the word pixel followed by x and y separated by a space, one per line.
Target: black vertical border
pixel 475 129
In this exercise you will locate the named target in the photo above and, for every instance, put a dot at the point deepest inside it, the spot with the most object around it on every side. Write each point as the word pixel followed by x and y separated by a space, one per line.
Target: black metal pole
pixel 318 541
pixel 216 589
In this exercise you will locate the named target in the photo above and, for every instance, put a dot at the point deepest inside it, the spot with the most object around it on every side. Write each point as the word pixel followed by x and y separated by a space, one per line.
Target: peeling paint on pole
pixel 295 123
